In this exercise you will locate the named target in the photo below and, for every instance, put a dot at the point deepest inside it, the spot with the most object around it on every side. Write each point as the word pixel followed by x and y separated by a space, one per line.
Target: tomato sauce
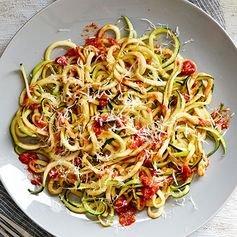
pixel 53 173
pixel 186 172
pixel 119 123
pixel 71 53
pixel 103 102
pixel 61 60
pixel 149 192
pixel 99 44
pixel 99 124
pixel 164 109
pixel 222 117
pixel 97 128
pixel 142 203
pixel 96 42
pixel 27 157
pixel 125 211
pixel 90 30
pixel 36 181
pixel 137 142
pixel 57 137
pixel 188 68
pixel 26 100
pixel 195 84
pixel 34 106
pixel 147 163
pixel 31 170
pixel 39 123
pixel 223 124
pixel 204 122
pixel 77 162
pixel 186 97
pixel 150 186
pixel 112 41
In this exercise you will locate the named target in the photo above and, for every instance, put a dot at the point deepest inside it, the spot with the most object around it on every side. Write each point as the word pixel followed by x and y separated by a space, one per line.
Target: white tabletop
pixel 13 14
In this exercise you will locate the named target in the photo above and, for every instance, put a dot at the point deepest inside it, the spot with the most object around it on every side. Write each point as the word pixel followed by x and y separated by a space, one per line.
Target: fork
pixel 9 228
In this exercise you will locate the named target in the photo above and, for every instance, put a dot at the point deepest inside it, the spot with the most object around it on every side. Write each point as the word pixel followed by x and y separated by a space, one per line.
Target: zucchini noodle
pixel 116 125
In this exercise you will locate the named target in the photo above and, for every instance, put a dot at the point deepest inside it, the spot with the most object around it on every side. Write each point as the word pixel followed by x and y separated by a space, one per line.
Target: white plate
pixel 212 50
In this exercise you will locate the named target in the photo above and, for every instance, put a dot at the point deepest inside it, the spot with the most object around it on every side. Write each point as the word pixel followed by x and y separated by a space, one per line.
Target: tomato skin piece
pixel 188 68
pixel 27 157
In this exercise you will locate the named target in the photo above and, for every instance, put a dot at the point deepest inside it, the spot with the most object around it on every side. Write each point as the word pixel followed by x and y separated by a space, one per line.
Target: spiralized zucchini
pixel 119 118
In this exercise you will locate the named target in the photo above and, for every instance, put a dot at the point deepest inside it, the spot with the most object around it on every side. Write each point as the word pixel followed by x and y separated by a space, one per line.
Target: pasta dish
pixel 117 125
